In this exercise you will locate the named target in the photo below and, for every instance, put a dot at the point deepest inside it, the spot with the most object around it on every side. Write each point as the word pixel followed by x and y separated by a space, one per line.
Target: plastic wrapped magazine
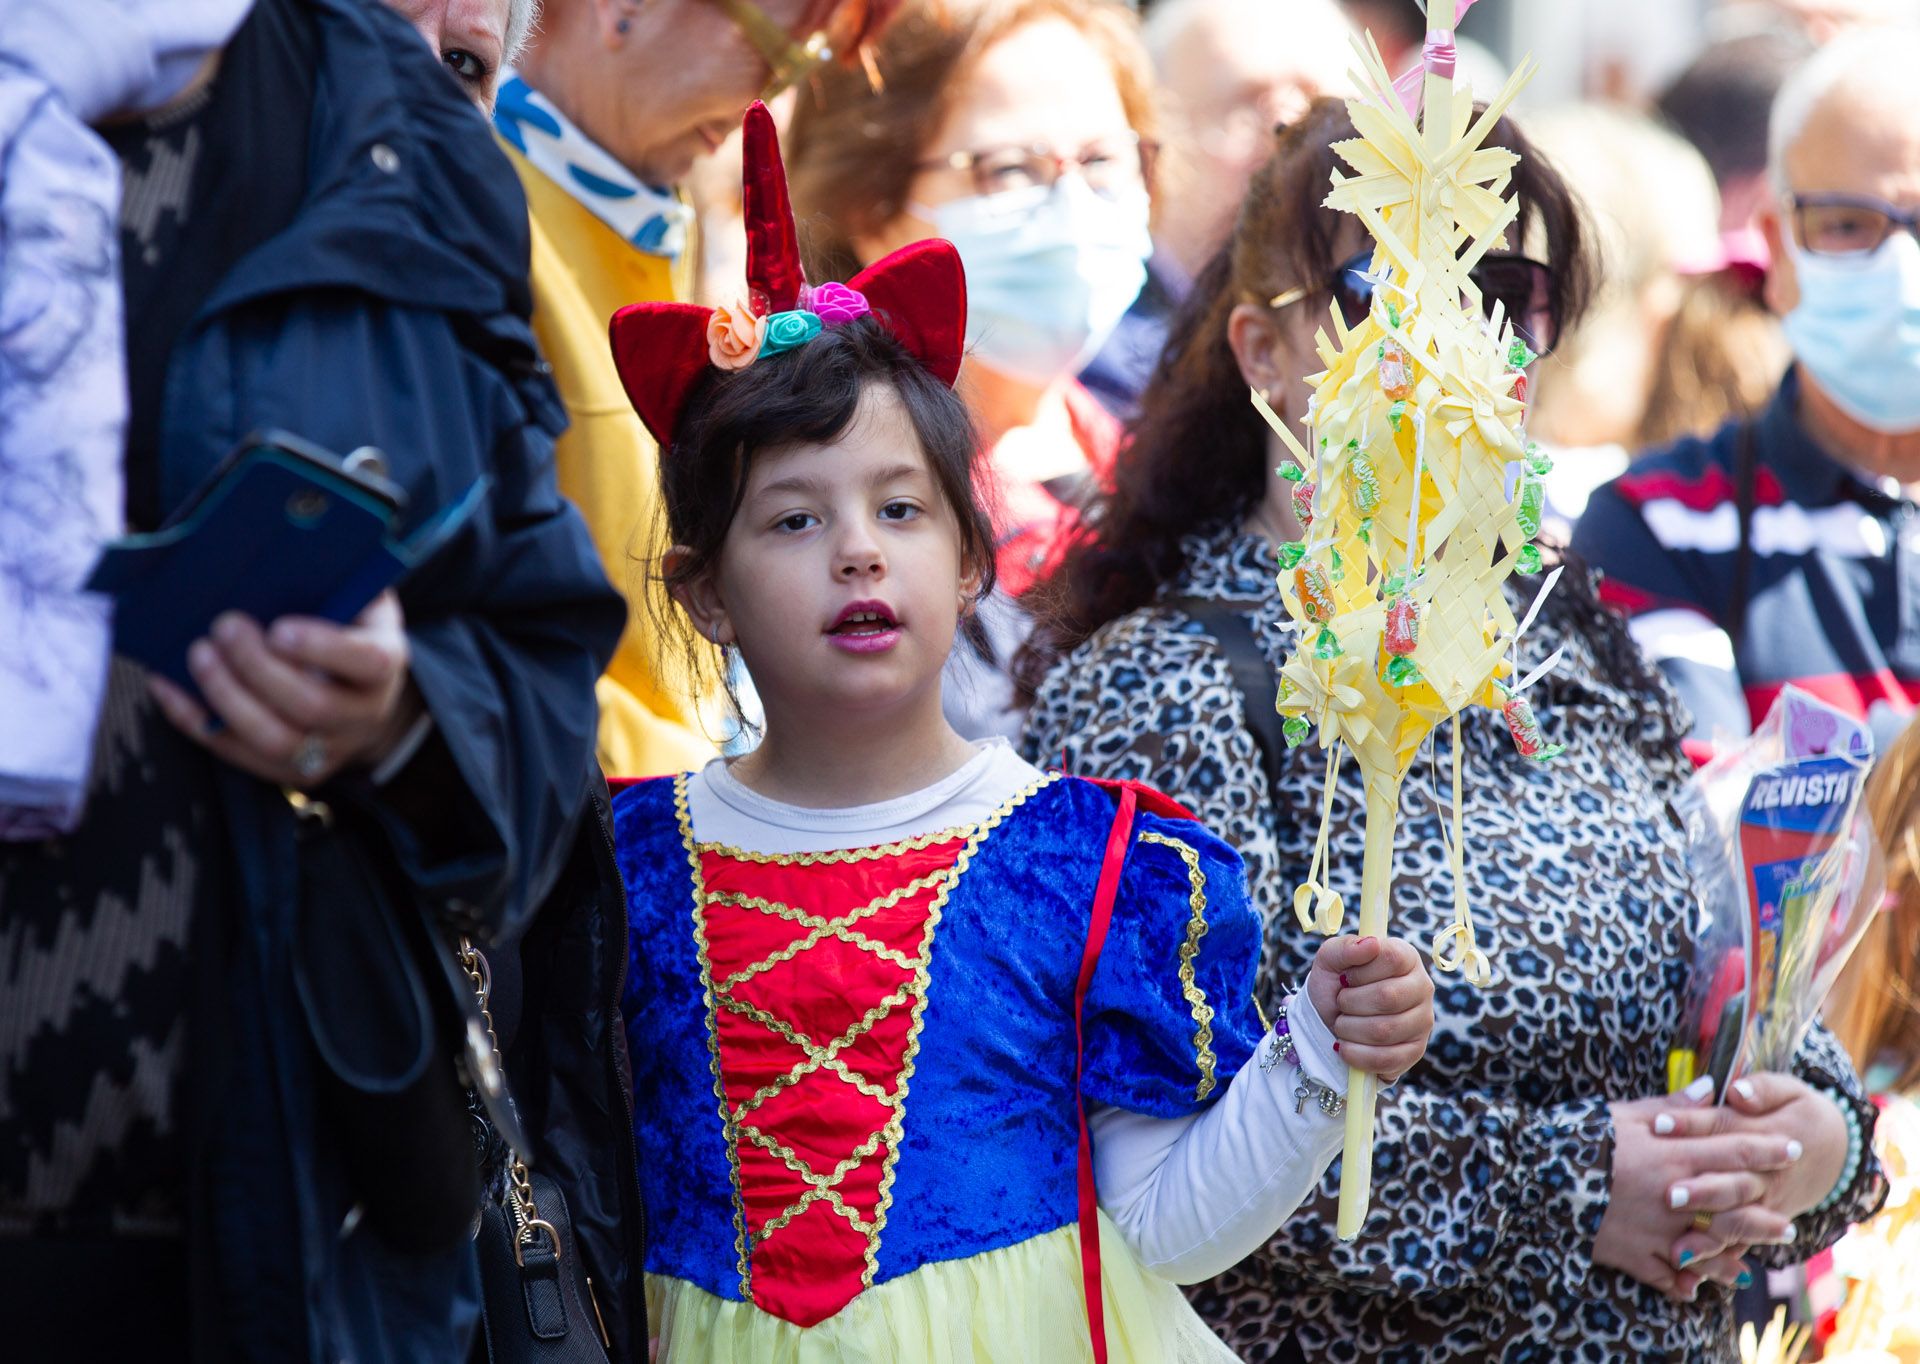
pixel 1787 873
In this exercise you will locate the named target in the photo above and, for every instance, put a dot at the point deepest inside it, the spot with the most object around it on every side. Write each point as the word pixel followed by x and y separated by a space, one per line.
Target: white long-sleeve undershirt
pixel 1194 1196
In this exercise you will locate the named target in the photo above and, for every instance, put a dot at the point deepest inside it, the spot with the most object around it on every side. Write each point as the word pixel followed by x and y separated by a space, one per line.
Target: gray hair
pixel 522 15
pixel 1317 20
pixel 1883 55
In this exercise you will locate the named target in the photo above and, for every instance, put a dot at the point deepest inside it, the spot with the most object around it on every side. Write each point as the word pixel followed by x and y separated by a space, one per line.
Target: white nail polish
pixel 1795 1150
pixel 1677 1198
pixel 1664 1125
pixel 1744 1088
pixel 1792 1235
pixel 1700 1090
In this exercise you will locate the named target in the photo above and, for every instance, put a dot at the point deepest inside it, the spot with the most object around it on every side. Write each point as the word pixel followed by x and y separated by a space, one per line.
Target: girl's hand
pixel 300 702
pixel 1376 998
pixel 1769 1106
pixel 1646 1235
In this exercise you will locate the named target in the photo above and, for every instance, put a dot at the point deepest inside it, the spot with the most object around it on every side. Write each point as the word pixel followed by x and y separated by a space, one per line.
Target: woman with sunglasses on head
pixel 1528 1201
pixel 1021 131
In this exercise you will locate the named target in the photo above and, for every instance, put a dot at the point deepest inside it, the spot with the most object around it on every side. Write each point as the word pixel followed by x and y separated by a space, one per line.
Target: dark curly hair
pixel 1196 456
pixel 807 394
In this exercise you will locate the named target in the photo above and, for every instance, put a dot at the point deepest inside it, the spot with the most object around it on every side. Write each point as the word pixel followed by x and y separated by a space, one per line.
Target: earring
pixel 624 24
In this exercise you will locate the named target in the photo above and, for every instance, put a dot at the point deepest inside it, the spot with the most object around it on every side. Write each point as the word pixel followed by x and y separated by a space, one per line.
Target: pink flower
pixel 734 336
pixel 836 304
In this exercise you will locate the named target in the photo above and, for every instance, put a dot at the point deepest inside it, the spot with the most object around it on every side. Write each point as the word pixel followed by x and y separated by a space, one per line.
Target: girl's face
pixel 841 578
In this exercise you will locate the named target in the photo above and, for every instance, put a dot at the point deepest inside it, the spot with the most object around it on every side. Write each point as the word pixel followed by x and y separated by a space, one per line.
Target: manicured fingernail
pixel 1795 1150
pixel 1678 1196
pixel 1700 1090
pixel 1744 1281
pixel 286 635
pixel 1368 941
pixel 1687 1257
pixel 1336 1046
pixel 1792 1235
pixel 1664 1124
pixel 1744 1088
pixel 1345 984
pixel 200 656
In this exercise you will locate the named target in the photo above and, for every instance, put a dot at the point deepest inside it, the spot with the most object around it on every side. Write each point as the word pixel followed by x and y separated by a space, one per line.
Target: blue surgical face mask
pixel 1857 331
pixel 1050 273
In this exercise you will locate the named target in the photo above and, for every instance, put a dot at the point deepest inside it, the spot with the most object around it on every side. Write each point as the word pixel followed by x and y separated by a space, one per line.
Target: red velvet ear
pixel 660 350
pixel 920 294
pixel 773 249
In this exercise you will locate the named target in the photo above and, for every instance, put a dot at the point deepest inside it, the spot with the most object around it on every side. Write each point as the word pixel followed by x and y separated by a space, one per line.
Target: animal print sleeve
pixel 1823 1063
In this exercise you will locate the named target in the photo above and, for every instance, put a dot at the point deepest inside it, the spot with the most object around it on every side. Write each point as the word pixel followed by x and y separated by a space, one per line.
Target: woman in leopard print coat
pixel 1494 1163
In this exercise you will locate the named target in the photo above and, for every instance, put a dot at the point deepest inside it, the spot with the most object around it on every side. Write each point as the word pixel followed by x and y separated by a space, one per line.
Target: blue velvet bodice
pixel 987 1153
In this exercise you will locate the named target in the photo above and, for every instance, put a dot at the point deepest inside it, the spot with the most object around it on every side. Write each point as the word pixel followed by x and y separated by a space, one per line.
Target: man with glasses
pixel 1787 549
pixel 611 103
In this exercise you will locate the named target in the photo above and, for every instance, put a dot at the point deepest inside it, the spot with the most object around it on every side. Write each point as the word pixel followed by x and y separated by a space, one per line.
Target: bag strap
pixel 1253 677
pixel 1746 475
pixel 1107 889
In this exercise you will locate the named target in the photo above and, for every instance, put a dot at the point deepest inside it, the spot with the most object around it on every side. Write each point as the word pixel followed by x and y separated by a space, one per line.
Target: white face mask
pixel 1857 330
pixel 1050 272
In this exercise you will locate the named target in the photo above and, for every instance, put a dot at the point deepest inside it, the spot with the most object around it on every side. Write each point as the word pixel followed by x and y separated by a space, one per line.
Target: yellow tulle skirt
pixel 1021 1304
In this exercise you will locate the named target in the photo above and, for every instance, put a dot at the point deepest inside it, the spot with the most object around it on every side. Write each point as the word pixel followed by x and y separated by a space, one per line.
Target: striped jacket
pixel 1832 575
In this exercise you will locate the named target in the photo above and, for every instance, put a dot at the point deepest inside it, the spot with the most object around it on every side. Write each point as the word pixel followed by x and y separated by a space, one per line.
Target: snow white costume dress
pixel 868 1055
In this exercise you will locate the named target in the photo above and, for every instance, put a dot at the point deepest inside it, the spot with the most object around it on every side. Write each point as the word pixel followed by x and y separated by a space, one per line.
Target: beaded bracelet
pixel 1281 1047
pixel 1856 1150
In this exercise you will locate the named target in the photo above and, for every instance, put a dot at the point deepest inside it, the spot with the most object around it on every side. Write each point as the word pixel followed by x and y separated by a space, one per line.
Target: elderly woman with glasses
pixel 603 114
pixel 1535 1193
pixel 1023 132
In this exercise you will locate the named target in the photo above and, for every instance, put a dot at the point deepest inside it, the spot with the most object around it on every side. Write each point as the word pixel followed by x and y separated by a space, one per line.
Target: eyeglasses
pixel 1109 166
pixel 1521 287
pixel 1845 225
pixel 849 26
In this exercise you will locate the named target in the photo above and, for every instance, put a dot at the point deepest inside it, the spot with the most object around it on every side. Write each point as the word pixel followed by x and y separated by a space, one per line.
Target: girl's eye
pixel 797 521
pixel 899 511
pixel 465 65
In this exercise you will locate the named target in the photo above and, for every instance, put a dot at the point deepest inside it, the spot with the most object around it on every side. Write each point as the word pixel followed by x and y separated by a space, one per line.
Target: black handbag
pixel 537 1303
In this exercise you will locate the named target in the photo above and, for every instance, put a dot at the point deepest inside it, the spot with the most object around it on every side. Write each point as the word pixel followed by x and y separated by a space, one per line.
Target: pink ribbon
pixel 1439 56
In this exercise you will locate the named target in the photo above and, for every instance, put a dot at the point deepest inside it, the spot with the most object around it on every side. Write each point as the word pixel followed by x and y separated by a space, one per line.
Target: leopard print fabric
pixel 1491 1159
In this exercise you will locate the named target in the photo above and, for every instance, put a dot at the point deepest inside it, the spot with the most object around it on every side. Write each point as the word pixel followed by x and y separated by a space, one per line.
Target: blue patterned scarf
pixel 653 220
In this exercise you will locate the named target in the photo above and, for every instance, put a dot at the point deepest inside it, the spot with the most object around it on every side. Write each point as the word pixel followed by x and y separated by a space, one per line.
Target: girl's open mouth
pixel 865 627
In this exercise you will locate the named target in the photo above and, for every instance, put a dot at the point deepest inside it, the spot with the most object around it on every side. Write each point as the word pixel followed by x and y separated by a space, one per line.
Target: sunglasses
pixel 850 25
pixel 1519 286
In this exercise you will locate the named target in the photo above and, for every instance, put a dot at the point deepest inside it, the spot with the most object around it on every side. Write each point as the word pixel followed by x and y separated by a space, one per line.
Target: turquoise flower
pixel 788 331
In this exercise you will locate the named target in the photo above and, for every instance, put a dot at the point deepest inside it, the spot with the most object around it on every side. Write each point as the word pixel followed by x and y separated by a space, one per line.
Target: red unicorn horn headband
pixel 664 350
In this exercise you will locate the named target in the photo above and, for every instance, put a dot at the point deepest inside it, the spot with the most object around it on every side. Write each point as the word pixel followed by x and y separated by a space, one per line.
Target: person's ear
pixel 699 597
pixel 1783 284
pixel 1258 348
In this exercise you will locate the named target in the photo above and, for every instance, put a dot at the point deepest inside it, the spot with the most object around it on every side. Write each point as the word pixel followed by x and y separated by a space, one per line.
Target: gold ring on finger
pixel 1703 1222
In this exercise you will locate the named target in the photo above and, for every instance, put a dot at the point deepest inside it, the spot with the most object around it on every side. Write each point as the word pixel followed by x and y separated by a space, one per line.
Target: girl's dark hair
pixel 808 394
pixel 1196 455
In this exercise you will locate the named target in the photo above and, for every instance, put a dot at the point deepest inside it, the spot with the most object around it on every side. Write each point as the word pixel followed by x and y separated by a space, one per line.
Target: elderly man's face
pixel 693 73
pixel 468 35
pixel 1857 141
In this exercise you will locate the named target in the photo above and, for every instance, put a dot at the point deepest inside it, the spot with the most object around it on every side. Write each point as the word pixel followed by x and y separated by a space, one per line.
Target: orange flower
pixel 734 336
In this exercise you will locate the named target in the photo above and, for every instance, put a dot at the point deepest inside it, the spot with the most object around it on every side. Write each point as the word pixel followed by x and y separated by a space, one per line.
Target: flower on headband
pixel 836 304
pixel 735 337
pixel 787 331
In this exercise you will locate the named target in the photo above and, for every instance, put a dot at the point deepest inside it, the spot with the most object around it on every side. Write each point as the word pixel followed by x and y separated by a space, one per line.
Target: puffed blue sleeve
pixel 1170 1017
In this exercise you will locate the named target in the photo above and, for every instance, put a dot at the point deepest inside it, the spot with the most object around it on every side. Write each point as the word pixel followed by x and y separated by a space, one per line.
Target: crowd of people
pixel 801 864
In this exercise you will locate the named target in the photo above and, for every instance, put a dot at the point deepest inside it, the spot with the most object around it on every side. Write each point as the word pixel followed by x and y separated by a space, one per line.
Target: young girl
pixel 885 981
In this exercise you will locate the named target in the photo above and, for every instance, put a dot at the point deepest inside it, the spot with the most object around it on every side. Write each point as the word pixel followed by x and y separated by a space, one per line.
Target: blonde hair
pixel 1876 1014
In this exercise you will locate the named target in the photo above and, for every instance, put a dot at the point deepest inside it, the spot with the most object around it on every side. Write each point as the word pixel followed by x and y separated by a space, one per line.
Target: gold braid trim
pixel 685 818
pixel 891 1133
pixel 1189 987
pixel 824 1186
pixel 822 927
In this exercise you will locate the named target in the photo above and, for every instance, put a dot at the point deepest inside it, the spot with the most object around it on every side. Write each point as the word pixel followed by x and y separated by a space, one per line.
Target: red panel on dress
pixel 815 970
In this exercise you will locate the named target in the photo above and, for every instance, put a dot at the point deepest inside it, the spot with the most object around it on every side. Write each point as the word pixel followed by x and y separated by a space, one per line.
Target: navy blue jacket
pixel 1824 593
pixel 393 312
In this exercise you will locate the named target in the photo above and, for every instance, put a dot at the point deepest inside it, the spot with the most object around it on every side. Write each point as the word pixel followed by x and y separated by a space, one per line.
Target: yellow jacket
pixel 582 273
